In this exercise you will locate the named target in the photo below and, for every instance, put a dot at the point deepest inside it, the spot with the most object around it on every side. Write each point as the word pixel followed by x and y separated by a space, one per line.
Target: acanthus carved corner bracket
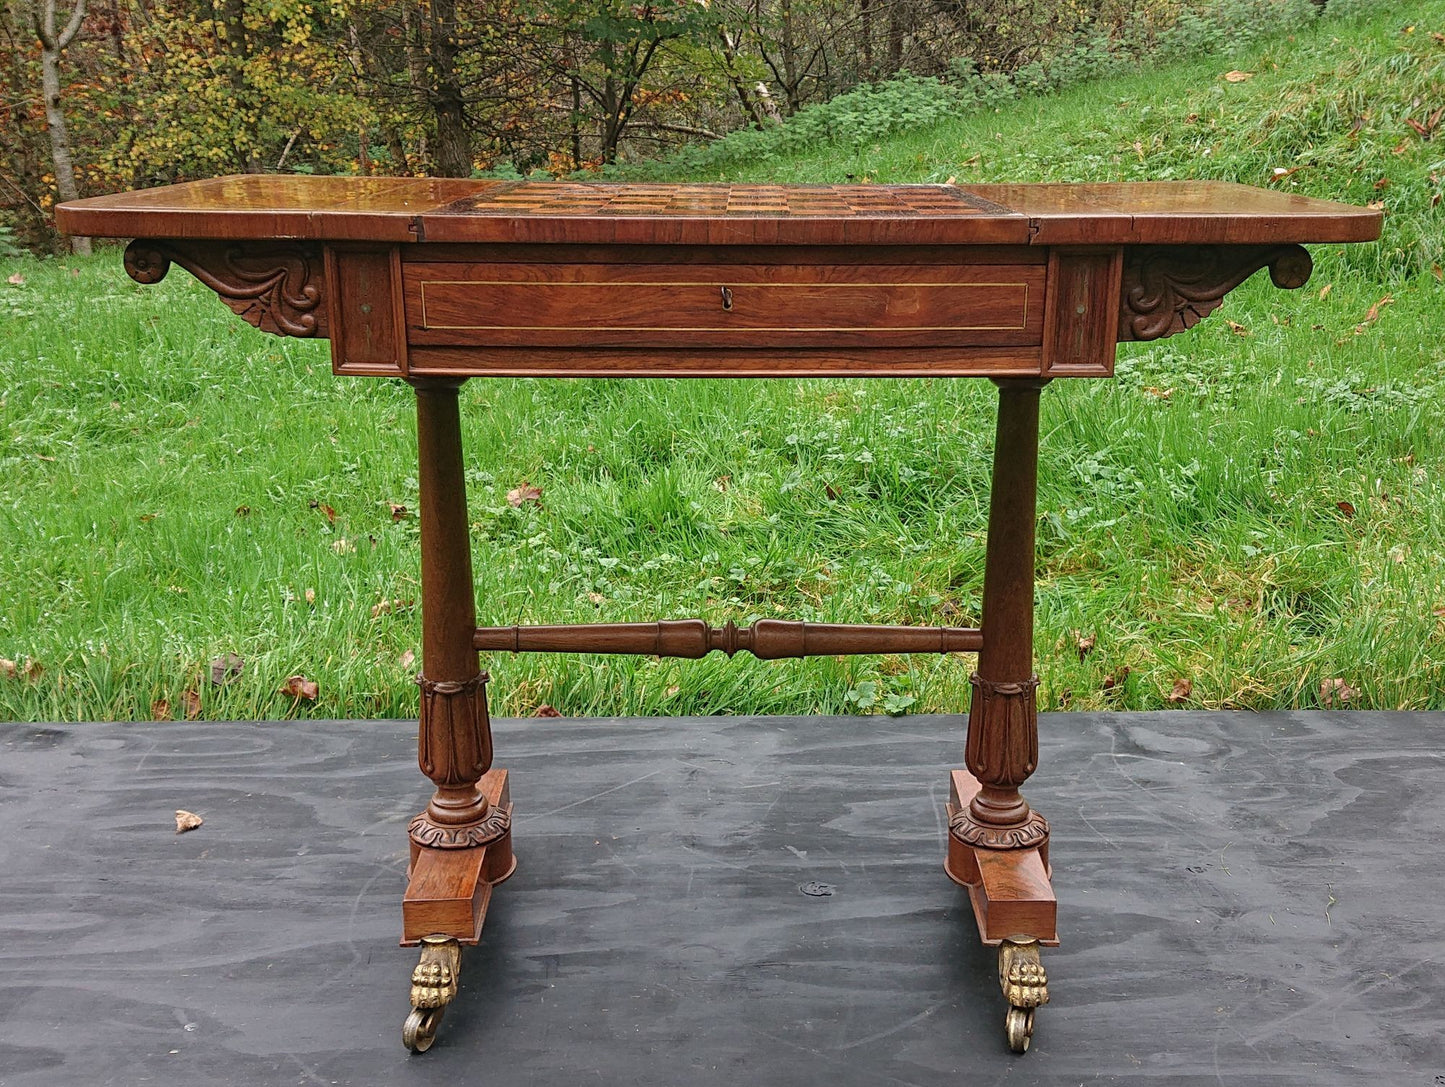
pixel 278 287
pixel 1168 289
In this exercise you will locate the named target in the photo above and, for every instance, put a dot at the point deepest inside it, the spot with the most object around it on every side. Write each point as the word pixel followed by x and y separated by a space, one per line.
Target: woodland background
pixel 103 95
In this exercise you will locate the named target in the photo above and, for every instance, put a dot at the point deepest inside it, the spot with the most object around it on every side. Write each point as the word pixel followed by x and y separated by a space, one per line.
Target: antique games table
pixel 437 281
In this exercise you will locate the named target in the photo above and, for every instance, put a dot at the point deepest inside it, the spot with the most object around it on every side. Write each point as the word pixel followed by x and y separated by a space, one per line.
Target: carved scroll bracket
pixel 276 286
pixel 1168 289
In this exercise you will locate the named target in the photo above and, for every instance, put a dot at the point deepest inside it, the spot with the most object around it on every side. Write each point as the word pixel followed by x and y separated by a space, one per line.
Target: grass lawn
pixel 1257 508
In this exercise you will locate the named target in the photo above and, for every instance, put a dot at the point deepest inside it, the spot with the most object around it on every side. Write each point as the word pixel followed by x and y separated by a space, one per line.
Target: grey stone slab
pixel 1243 898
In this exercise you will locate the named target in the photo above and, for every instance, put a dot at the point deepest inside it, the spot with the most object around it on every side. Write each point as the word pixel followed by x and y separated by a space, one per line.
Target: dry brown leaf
pixel 545 710
pixel 1438 273
pixel 829 490
pixel 1111 681
pixel 1401 147
pixel 1419 129
pixel 226 669
pixel 525 493
pixel 310 595
pixel 161 710
pixel 1376 205
pixel 1158 393
pixel 8 669
pixel 326 511
pixel 1183 688
pixel 1347 508
pixel 1325 291
pixel 398 511
pixel 1236 76
pixel 386 607
pixel 187 820
pixel 299 687
pixel 1382 184
pixel 722 483
pixel 1237 328
pixel 33 669
pixel 1373 314
pixel 16 279
pixel 242 511
pixel 343 546
pixel 1086 643
pixel 407 659
pixel 1439 612
pixel 191 703
pixel 1335 692
pixel 596 598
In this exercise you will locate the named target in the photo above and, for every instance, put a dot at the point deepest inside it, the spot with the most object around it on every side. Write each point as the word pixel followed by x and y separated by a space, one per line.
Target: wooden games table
pixel 435 281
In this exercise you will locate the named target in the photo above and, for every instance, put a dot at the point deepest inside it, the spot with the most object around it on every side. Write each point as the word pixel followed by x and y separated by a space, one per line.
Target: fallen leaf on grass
pixel 1336 692
pixel 17 279
pixel 8 668
pixel 1325 291
pixel 525 493
pixel 191 703
pixel 398 511
pixel 1086 643
pixel 310 595
pixel 1439 613
pixel 596 598
pixel 1158 393
pixel 1438 273
pixel 407 659
pixel 33 669
pixel 1373 313
pixel 326 511
pixel 187 820
pixel 1236 76
pixel 242 511
pixel 1347 508
pixel 1110 681
pixel 161 710
pixel 299 687
pixel 386 607
pixel 226 669
pixel 1183 688
pixel 1237 328
pixel 343 546
pixel 722 483
pixel 545 710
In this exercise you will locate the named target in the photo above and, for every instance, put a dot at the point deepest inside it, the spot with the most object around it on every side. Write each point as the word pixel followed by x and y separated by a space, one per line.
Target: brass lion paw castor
pixel 1025 986
pixel 433 987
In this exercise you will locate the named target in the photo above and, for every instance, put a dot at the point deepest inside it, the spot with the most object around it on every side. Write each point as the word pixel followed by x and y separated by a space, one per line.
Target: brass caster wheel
pixel 1025 986
pixel 433 986
pixel 420 1028
pixel 1018 1025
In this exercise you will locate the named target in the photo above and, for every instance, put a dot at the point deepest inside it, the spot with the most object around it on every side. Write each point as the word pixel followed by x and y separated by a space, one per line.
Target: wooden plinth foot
pixel 1009 888
pixel 448 890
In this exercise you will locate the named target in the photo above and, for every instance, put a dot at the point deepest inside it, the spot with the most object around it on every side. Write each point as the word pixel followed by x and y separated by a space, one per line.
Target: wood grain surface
pixel 459 210
pixel 1243 899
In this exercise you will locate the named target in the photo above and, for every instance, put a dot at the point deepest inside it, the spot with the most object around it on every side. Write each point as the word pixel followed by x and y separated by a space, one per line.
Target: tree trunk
pixel 52 44
pixel 454 140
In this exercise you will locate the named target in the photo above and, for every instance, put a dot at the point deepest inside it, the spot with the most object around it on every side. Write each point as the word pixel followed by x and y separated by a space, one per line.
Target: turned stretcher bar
pixel 767 639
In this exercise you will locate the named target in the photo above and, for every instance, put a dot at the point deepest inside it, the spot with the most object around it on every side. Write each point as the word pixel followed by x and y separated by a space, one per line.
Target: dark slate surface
pixel 1252 899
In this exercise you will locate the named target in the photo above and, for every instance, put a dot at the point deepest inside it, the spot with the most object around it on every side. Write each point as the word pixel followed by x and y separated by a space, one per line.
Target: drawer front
pixel 732 306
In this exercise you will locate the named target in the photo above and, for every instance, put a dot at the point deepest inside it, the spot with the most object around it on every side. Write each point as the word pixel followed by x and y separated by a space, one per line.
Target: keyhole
pixel 727 297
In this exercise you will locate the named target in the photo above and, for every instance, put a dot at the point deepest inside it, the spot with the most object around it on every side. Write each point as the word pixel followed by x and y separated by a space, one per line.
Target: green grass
pixel 1189 511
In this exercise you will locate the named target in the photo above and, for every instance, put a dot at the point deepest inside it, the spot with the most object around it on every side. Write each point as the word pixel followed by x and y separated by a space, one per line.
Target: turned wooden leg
pixel 997 845
pixel 1003 735
pixel 461 845
pixel 454 738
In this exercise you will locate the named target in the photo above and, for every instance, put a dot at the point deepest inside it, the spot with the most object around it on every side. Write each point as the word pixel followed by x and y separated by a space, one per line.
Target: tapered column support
pixel 1003 737
pixel 454 735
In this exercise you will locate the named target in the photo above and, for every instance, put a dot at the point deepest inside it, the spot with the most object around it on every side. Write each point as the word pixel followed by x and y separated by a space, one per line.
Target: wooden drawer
pixel 723 305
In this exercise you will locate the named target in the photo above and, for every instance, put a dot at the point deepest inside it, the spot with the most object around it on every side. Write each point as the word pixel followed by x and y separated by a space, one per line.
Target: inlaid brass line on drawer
pixel 428 326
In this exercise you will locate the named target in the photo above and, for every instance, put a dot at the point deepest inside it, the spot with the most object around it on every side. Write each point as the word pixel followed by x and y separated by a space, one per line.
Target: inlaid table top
pixel 458 210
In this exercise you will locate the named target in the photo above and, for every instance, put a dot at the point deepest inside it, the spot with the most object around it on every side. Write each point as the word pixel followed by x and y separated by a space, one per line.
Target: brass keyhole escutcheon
pixel 727 297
